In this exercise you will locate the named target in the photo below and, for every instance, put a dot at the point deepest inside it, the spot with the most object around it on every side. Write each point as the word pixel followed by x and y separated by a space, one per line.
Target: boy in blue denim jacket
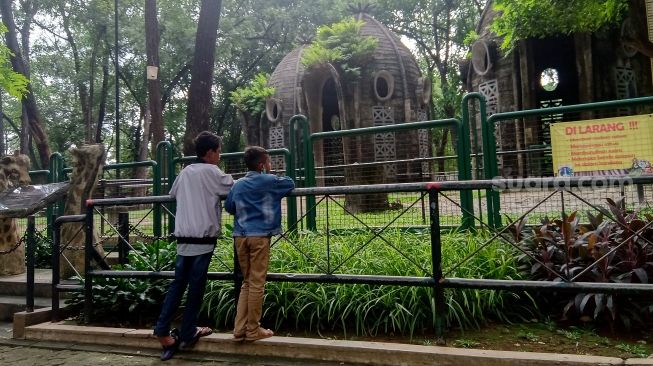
pixel 255 202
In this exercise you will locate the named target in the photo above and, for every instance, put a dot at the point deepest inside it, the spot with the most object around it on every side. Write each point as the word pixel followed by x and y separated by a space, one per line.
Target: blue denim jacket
pixel 255 201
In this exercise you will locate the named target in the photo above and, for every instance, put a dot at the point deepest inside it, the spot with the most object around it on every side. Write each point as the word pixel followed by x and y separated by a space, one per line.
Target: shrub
pixel 342 45
pixel 612 250
pixel 128 300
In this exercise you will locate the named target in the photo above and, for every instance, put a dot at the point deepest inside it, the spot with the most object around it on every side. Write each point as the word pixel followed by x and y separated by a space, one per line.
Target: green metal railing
pixel 490 146
pixel 464 167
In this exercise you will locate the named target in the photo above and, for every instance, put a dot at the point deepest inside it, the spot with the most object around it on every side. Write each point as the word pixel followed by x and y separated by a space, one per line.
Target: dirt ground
pixel 534 336
pixel 545 337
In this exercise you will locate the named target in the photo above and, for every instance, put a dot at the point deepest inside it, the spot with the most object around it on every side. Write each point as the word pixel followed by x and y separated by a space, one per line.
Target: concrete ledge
pixel 367 353
pixel 24 319
pixel 639 362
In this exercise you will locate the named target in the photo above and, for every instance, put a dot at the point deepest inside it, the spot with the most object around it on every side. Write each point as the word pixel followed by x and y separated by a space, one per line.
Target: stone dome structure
pixel 390 90
pixel 554 71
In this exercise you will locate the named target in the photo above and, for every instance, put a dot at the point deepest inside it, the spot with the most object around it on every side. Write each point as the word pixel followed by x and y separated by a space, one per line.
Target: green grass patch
pixel 370 310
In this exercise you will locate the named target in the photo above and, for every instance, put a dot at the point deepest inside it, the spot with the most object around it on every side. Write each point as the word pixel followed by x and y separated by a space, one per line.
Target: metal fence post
pixel 291 200
pixel 88 280
pixel 31 257
pixel 156 210
pixel 123 238
pixel 436 258
pixel 166 164
pixel 56 249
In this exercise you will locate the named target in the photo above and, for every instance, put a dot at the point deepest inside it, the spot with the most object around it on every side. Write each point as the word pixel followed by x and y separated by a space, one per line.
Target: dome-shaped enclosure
pixel 551 71
pixel 389 90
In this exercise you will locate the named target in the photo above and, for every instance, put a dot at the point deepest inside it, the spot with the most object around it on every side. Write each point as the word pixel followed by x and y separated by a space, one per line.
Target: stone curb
pixel 359 352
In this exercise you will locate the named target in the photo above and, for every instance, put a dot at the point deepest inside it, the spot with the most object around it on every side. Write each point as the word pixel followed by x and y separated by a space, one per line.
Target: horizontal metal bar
pixel 451 122
pixel 69 218
pixel 549 286
pixel 131 200
pixel 70 288
pixel 505 116
pixel 132 164
pixel 233 155
pixel 508 285
pixel 386 162
pixel 498 184
pixel 524 151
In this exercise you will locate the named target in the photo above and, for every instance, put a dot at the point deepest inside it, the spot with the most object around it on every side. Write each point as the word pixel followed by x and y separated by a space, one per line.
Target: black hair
pixel 253 156
pixel 206 141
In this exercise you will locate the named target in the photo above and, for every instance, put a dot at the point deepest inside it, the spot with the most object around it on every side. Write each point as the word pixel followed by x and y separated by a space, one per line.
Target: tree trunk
pixel 103 97
pixel 199 96
pixel 250 126
pixel 29 102
pixel 141 171
pixel 81 87
pixel 88 122
pixel 153 85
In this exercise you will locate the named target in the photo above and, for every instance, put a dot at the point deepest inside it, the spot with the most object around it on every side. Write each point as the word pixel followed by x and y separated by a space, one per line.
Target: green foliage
pixel 252 97
pixel 131 300
pixel 43 254
pixel 370 310
pixel 12 82
pixel 541 18
pixel 636 349
pixel 340 44
pixel 470 38
pixel 570 248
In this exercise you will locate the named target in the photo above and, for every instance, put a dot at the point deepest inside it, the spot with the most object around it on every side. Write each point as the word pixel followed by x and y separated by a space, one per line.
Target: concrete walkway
pixel 308 351
pixel 53 344
pixel 17 352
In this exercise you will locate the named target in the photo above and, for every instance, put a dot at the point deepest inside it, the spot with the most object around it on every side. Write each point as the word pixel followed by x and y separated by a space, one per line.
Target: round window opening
pixel 273 109
pixel 383 85
pixel 549 79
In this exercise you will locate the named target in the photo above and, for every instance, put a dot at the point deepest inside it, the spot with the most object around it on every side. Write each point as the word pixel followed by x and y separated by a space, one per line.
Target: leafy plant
pixel 618 250
pixel 342 45
pixel 573 334
pixel 523 19
pixel 366 309
pixel 252 97
pixel 12 82
pixel 43 253
pixel 635 349
pixel 465 343
pixel 529 336
pixel 132 300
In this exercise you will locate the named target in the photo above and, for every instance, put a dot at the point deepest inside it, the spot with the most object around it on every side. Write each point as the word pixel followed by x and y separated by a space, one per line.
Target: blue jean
pixel 190 271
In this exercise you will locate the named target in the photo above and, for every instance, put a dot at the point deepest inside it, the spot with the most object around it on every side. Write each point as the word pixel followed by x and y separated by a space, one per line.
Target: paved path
pixel 28 353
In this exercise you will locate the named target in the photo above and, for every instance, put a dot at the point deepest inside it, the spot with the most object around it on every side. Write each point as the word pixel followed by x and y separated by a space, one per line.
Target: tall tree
pixel 199 96
pixel 438 29
pixel 152 41
pixel 33 117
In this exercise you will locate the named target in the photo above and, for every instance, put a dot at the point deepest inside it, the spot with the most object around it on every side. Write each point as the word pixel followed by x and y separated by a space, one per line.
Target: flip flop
pixel 261 333
pixel 238 337
pixel 201 332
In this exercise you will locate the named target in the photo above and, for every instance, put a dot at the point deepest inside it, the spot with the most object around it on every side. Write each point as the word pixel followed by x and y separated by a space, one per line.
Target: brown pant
pixel 253 257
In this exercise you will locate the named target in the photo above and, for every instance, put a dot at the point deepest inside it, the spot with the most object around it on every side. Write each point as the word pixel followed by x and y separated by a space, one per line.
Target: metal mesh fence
pixel 515 202
pixel 418 155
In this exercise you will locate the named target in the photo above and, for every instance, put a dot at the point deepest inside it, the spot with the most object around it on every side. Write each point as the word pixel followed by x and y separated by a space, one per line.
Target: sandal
pixel 238 337
pixel 201 332
pixel 170 350
pixel 260 333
